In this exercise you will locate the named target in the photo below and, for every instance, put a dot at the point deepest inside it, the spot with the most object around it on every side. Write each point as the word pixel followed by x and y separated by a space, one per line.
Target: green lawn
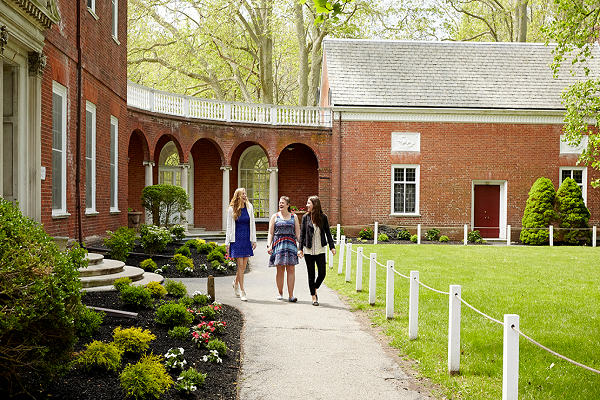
pixel 554 290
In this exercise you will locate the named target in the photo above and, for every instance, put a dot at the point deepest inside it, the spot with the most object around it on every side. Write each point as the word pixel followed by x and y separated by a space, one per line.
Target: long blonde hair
pixel 237 202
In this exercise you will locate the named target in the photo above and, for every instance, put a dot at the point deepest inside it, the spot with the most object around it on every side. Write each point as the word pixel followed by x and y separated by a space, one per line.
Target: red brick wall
pixel 208 186
pixel 298 174
pixel 136 172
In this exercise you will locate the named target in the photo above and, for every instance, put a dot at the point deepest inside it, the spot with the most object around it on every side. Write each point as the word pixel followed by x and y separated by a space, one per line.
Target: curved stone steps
pixel 107 267
pixel 101 274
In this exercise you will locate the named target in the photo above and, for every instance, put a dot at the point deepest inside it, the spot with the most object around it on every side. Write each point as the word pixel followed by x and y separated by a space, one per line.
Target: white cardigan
pixel 230 234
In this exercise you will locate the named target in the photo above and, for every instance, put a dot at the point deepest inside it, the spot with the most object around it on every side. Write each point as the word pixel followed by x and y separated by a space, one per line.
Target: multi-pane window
pixel 59 149
pixel 114 156
pixel 169 171
pixel 90 157
pixel 579 175
pixel 405 189
pixel 115 18
pixel 254 177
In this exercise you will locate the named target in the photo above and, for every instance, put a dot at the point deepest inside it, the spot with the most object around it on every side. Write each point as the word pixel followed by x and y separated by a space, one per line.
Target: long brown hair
pixel 317 212
pixel 237 202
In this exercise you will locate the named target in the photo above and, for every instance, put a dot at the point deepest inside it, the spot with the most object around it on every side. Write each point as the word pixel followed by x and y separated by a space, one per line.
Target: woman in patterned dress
pixel 240 239
pixel 284 230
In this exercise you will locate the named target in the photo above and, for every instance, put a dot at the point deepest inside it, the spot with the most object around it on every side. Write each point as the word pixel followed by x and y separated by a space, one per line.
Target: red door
pixel 487 210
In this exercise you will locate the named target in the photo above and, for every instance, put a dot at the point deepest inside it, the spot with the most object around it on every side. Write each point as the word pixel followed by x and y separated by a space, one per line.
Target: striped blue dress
pixel 285 251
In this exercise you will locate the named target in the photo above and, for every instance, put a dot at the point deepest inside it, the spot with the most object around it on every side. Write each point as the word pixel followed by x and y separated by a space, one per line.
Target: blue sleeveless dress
pixel 242 246
pixel 285 251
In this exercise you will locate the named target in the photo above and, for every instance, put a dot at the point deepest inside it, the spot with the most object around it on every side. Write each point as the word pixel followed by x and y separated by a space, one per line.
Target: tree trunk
pixel 521 20
pixel 302 56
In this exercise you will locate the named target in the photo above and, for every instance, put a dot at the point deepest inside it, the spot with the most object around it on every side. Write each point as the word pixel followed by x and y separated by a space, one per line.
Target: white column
pixel 184 185
pixel 34 177
pixel 273 190
pixel 225 195
pixel 148 182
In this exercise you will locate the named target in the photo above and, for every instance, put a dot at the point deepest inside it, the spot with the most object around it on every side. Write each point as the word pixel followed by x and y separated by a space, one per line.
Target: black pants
pixel 311 260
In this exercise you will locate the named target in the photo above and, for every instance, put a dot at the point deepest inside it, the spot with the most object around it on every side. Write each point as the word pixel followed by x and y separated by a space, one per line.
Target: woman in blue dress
pixel 284 230
pixel 240 239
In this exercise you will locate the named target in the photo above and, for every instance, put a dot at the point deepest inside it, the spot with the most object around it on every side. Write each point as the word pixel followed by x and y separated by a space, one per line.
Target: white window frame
pixel 417 189
pixel 91 7
pixel 90 175
pixel 115 19
pixel 266 183
pixel 60 90
pixel 114 164
pixel 583 179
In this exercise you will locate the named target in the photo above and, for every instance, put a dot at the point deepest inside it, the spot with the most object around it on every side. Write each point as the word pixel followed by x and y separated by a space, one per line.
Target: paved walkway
pixel 299 351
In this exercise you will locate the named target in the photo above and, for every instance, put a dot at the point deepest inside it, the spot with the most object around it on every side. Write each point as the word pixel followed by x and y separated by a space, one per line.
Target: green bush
pixel 121 242
pixel 414 238
pixel 432 234
pixel 132 340
pixel 218 345
pixel 146 379
pixel 183 263
pixel 186 301
pixel 178 232
pixel 100 355
pixel 222 249
pixel 444 238
pixel 200 299
pixel 204 248
pixel 207 313
pixel 156 290
pixel 539 212
pixel 87 322
pixel 179 332
pixel 173 314
pixel 189 380
pixel 383 238
pixel 215 264
pixel 154 239
pixel 122 283
pixel 334 232
pixel 404 235
pixel 148 265
pixel 137 296
pixel 572 213
pixel 40 297
pixel 184 250
pixel 216 255
pixel 474 237
pixel 166 203
pixel 175 289
pixel 366 234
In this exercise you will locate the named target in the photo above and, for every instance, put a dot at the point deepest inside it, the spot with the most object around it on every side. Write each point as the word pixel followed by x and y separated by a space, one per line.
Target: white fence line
pixel 159 101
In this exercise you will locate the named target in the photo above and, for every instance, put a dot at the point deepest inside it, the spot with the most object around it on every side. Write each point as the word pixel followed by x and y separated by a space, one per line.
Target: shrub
pixel 189 381
pixel 154 239
pixel 216 255
pixel 88 322
pixel 218 345
pixel 137 296
pixel 221 249
pixel 178 232
pixel 539 212
pixel 204 248
pixel 213 245
pixel 432 234
pixel 40 297
pixel 148 378
pixel 184 251
pixel 132 340
pixel 216 265
pixel 444 238
pixel 474 237
pixel 179 332
pixel 148 265
pixel 166 203
pixel 173 314
pixel 122 283
pixel 573 213
pixel 121 242
pixel 334 231
pixel 200 299
pixel 175 289
pixel 383 238
pixel 366 234
pixel 156 290
pixel 100 355
pixel 207 313
pixel 186 301
pixel 183 263
pixel 404 235
pixel 414 238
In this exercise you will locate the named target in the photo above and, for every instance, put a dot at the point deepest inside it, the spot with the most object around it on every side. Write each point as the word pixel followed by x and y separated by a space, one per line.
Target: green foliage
pixel 40 297
pixel 215 264
pixel 383 238
pixel 179 332
pixel 216 255
pixel 100 355
pixel 204 248
pixel 146 379
pixel 156 290
pixel 137 296
pixel 334 231
pixel 366 234
pixel 539 212
pixel 183 263
pixel 154 239
pixel 189 380
pixel 200 299
pixel 474 237
pixel 207 313
pixel 572 213
pixel 404 235
pixel 218 345
pixel 166 203
pixel 173 314
pixel 432 235
pixel 132 340
pixel 414 238
pixel 121 242
pixel 122 283
pixel 88 321
pixel 175 289
pixel 178 231
pixel 445 238
pixel 184 250
pixel 221 249
pixel 148 265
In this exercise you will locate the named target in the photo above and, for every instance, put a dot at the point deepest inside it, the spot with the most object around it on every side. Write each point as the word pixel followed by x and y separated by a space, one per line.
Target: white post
pixel 466 235
pixel 148 165
pixel 341 256
pixel 551 237
pixel 359 272
pixel 508 235
pixel 338 234
pixel 419 234
pixel 510 358
pixel 348 262
pixel 225 194
pixel 389 291
pixel 594 236
pixel 273 190
pixel 375 232
pixel 184 184
pixel 413 307
pixel 454 331
pixel 372 277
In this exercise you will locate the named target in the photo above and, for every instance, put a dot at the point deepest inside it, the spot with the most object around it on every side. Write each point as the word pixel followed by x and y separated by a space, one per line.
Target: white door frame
pixel 503 202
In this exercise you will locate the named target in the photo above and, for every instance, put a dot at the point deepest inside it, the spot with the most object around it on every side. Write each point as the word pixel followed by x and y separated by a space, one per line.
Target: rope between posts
pixel 477 311
pixel 430 288
pixel 555 353
pixel 404 276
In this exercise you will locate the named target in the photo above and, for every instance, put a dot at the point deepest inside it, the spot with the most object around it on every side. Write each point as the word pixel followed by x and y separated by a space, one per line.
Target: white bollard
pixel 466 235
pixel 551 237
pixel 341 257
pixel 413 306
pixel 510 358
pixel 359 274
pixel 348 262
pixel 372 277
pixel 419 234
pixel 454 331
pixel 594 236
pixel 338 232
pixel 389 291
pixel 375 232
pixel 508 235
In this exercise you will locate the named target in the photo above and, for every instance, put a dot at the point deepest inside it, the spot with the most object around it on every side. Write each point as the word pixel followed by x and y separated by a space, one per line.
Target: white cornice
pixel 43 13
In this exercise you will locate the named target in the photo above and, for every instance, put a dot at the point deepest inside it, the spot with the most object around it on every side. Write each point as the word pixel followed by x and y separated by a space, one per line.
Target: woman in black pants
pixel 315 235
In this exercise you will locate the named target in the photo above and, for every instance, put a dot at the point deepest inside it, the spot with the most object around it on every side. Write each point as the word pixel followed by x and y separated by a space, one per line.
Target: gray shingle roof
pixel 445 74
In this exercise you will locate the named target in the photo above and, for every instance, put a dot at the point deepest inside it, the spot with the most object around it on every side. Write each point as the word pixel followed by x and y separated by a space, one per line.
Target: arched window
pixel 254 177
pixel 169 172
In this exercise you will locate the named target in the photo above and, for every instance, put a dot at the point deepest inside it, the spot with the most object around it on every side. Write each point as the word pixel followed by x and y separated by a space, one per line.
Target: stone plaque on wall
pixel 406 141
pixel 565 148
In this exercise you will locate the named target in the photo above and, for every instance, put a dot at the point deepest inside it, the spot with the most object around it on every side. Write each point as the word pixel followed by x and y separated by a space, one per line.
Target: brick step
pixel 106 267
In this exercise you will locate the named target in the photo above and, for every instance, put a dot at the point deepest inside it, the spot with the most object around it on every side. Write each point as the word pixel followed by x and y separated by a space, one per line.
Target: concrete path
pixel 299 351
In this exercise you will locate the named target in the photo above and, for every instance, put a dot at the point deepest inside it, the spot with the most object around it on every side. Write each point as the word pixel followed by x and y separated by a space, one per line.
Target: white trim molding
pixel 503 202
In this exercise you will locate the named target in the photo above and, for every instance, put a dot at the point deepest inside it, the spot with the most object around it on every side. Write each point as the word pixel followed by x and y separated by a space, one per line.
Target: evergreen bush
pixel 539 212
pixel 175 289
pixel 146 379
pixel 179 332
pixel 572 213
pixel 173 314
pixel 156 290
pixel 184 250
pixel 216 255
pixel 88 322
pixel 132 340
pixel 121 242
pixel 136 296
pixel 148 265
pixel 100 355
pixel 122 283
pixel 383 238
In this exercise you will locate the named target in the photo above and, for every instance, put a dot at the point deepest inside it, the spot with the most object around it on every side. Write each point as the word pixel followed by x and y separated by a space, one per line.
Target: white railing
pixel 153 100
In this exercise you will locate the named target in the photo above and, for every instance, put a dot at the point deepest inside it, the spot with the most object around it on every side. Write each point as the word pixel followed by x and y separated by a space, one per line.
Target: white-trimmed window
pixel 115 18
pixel 114 167
pixel 90 157
pixel 579 175
pixel 91 4
pixel 405 189
pixel 254 177
pixel 59 149
pixel 169 171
